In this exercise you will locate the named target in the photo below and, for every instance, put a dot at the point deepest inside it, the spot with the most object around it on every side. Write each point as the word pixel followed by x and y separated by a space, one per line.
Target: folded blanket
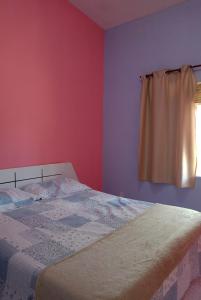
pixel 129 264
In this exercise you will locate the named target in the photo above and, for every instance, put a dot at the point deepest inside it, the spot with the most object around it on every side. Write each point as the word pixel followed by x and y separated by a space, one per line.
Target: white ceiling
pixel 110 13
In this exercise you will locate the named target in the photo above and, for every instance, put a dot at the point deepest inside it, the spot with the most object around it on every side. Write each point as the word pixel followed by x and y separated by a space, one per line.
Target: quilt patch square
pixel 47 252
pixel 74 221
pixel 34 236
pixel 80 196
pixel 41 207
pixel 112 221
pixel 19 213
pixel 34 221
pixel 6 252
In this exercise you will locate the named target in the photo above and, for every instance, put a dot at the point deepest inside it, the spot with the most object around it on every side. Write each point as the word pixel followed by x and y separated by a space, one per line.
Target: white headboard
pixel 20 176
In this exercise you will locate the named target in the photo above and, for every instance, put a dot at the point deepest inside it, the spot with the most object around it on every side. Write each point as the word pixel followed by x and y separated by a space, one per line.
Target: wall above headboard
pixel 51 86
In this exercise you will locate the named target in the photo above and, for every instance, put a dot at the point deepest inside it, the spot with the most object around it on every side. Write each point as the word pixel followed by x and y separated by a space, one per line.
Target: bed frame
pixel 20 176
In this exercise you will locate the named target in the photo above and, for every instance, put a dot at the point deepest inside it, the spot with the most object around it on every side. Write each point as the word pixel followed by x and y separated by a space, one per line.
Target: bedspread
pixel 42 233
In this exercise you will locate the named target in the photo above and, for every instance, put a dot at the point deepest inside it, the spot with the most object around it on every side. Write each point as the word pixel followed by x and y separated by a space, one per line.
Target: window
pixel 198 128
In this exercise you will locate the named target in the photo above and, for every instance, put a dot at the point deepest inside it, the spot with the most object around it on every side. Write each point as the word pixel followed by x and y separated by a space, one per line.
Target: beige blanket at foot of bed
pixel 129 264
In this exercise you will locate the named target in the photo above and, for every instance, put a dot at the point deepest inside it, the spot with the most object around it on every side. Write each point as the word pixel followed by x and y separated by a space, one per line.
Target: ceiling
pixel 110 13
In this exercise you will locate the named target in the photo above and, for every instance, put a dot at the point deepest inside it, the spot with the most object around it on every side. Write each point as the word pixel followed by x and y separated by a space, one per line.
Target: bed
pixel 38 235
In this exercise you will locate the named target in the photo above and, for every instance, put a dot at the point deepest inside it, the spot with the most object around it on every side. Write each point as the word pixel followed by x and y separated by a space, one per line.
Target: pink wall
pixel 51 87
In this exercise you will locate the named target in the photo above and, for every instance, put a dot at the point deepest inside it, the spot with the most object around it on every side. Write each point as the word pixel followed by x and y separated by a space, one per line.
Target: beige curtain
pixel 167 135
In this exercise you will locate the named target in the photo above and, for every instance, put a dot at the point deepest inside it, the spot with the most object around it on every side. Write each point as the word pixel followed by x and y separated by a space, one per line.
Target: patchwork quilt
pixel 40 233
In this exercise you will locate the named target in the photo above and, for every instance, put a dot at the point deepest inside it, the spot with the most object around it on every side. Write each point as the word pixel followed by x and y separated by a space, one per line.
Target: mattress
pixel 40 234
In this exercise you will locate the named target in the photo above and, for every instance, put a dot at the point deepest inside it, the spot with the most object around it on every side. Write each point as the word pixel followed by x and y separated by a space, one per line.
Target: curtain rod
pixel 173 70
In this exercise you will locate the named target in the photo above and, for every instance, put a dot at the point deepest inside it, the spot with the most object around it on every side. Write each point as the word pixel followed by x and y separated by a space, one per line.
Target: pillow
pixel 10 198
pixel 58 187
pixel 68 185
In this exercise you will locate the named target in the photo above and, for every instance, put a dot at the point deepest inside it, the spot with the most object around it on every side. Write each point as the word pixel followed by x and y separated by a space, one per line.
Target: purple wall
pixel 164 40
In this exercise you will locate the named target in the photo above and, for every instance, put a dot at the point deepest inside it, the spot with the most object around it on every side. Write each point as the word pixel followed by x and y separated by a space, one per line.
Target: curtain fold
pixel 197 98
pixel 167 151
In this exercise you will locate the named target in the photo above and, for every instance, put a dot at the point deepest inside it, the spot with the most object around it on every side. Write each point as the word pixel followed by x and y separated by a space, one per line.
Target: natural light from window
pixel 198 138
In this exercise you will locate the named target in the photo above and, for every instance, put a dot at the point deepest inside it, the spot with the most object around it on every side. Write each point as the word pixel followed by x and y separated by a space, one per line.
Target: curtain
pixel 197 98
pixel 167 149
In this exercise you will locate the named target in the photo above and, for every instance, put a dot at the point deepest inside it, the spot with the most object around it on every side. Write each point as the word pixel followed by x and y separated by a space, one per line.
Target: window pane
pixel 198 138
